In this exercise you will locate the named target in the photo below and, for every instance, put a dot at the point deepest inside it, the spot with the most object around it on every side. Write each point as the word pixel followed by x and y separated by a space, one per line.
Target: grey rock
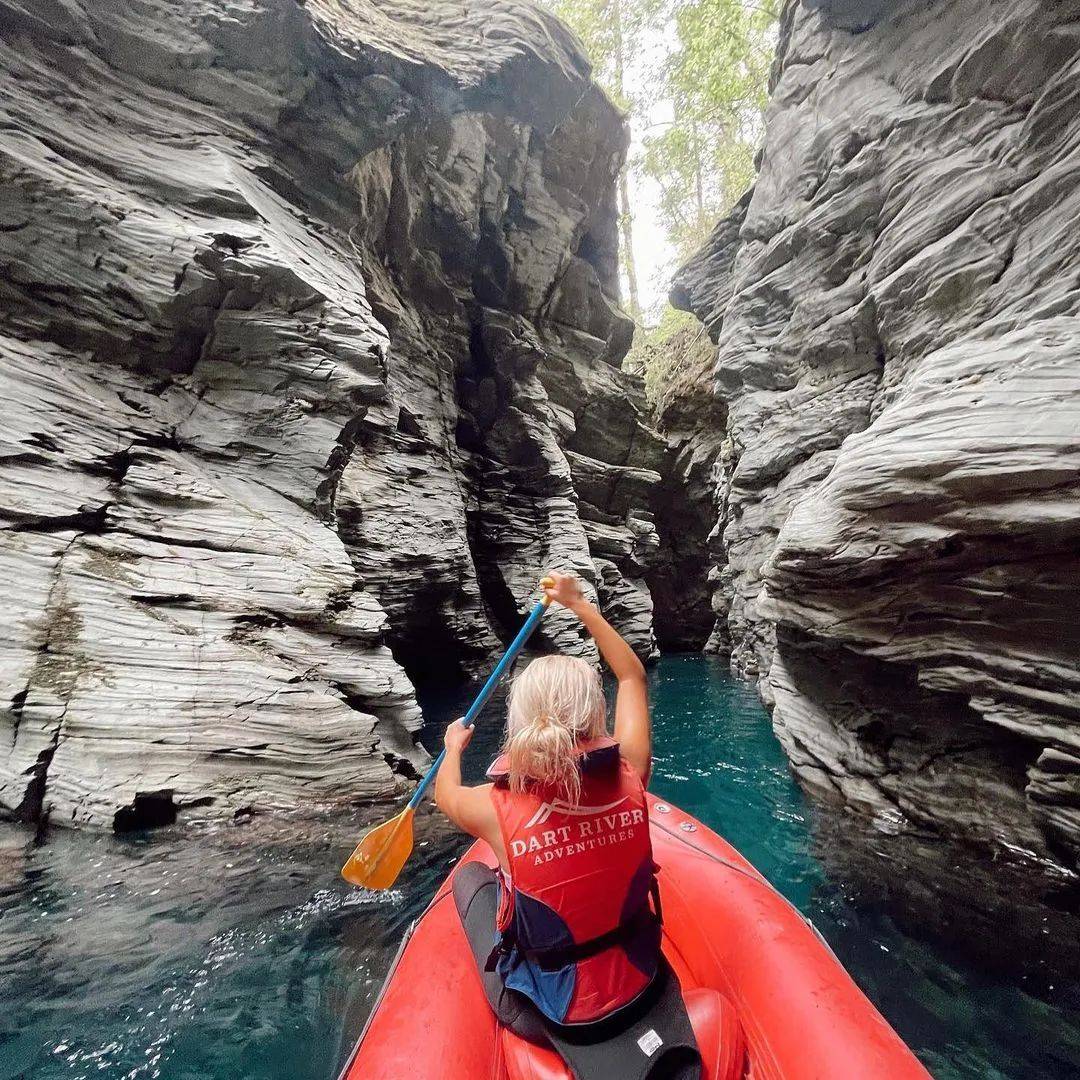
pixel 628 602
pixel 895 309
pixel 684 577
pixel 309 351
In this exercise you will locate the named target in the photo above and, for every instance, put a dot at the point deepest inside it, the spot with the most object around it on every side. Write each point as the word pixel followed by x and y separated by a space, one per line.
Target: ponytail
pixel 555 702
pixel 543 749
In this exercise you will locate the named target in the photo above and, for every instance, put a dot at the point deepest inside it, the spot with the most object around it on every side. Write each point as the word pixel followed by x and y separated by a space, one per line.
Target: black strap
pixel 497 950
pixel 561 956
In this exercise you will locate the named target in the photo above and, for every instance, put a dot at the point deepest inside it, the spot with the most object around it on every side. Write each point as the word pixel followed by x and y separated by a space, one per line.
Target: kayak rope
pixel 755 876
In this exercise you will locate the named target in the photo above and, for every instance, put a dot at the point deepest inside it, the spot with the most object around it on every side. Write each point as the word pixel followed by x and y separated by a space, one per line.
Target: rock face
pixel 896 312
pixel 309 353
pixel 689 604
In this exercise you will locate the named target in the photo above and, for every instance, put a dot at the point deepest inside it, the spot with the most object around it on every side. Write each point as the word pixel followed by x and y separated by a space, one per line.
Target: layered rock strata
pixel 895 307
pixel 309 352
pixel 689 598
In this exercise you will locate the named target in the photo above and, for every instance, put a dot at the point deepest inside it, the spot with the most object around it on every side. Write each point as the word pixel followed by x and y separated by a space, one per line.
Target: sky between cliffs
pixel 691 75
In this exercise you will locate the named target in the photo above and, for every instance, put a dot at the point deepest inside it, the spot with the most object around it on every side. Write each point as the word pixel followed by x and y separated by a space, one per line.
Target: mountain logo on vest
pixel 560 807
pixel 588 828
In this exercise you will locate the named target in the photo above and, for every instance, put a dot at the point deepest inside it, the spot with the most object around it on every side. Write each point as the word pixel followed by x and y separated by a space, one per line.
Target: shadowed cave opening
pixel 154 810
pixel 148 810
pixel 425 645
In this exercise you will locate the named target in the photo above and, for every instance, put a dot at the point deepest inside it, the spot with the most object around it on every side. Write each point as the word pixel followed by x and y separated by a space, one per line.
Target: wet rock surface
pixel 895 309
pixel 309 354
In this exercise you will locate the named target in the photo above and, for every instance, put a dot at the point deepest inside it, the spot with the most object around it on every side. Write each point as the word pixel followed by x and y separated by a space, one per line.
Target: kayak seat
pixel 663 1035
pixel 720 1039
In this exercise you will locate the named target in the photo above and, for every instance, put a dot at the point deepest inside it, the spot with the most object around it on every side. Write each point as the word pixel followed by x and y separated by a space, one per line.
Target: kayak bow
pixel 787 1008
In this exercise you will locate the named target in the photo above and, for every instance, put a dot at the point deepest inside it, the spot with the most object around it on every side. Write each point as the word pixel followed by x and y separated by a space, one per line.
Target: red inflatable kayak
pixel 766 997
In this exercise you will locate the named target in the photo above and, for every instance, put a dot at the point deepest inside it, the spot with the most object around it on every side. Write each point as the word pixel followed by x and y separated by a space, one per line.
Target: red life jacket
pixel 577 933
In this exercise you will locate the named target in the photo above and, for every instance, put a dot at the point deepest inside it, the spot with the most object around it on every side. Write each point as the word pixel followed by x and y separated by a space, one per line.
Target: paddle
pixel 380 855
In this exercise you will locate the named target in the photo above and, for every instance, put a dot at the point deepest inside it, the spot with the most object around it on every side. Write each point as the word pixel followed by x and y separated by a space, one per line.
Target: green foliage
pixel 654 355
pixel 612 32
pixel 716 79
pixel 707 62
pixel 714 76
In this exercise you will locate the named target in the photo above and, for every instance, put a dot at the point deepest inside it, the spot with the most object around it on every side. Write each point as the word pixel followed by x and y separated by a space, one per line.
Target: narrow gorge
pixel 311 353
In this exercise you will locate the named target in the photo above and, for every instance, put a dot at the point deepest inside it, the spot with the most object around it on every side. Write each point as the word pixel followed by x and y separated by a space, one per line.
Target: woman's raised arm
pixel 633 727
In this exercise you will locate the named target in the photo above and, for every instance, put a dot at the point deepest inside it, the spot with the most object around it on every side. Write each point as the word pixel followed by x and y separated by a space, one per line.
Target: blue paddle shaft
pixel 501 668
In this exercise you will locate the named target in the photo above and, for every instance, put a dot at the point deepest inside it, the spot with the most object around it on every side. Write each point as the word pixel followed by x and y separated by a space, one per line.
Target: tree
pixel 716 78
pixel 611 30
pixel 626 217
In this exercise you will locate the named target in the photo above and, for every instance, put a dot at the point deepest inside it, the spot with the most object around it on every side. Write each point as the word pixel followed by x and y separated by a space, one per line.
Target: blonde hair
pixel 555 702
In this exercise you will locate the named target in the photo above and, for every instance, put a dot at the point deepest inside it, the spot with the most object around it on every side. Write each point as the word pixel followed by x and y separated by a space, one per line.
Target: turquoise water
pixel 918 929
pixel 237 952
pixel 732 775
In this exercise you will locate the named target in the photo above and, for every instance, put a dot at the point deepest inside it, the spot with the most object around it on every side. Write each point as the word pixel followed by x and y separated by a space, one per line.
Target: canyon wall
pixel 689 604
pixel 309 349
pixel 895 309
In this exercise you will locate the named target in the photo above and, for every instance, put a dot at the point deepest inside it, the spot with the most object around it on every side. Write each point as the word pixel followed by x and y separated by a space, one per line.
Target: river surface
pixel 236 952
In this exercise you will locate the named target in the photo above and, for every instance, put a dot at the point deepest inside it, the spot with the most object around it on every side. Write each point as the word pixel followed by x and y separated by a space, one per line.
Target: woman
pixel 567 923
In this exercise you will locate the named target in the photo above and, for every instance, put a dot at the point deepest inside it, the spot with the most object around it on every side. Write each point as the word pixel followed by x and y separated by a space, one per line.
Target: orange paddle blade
pixel 380 855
